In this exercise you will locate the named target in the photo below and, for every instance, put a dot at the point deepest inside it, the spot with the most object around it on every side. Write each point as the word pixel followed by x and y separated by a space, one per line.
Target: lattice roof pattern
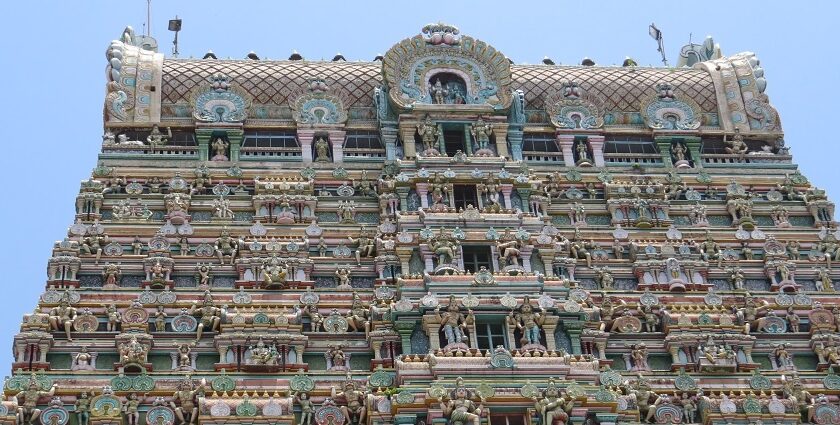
pixel 272 82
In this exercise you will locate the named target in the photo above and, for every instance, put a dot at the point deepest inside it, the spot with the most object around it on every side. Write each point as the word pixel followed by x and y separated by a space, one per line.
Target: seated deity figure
pixel 553 407
pixel 226 246
pixel 62 317
pixel 458 407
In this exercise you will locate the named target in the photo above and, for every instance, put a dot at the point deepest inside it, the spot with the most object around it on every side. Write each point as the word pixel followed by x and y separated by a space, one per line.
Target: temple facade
pixel 438 236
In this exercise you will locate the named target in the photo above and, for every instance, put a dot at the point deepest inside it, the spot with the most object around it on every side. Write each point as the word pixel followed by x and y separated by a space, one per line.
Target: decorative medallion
pixel 220 101
pixel 684 381
pixel 759 381
pixel 246 408
pixel 470 301
pixel 301 383
pixel 220 409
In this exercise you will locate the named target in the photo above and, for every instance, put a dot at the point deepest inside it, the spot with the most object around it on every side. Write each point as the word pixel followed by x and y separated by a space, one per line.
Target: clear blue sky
pixel 53 73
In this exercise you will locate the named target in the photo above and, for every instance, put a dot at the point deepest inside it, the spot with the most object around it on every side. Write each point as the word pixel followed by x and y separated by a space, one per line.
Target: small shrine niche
pixel 321 148
pixel 448 88
pixel 219 146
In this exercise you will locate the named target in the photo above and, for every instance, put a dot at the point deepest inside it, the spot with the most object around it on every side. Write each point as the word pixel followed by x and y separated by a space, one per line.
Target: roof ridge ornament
pixel 441 33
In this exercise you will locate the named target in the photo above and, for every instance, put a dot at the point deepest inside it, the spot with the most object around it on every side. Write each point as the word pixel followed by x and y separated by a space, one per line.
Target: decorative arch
pixel 317 105
pixel 571 107
pixel 668 110
pixel 220 100
pixel 409 68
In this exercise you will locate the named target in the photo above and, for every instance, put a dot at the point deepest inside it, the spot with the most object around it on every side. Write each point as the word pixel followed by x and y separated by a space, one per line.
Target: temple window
pixel 454 139
pixel 271 144
pixel 541 147
pixel 507 419
pixel 465 194
pixel 182 138
pixel 490 333
pixel 629 149
pixel 475 257
pixel 363 144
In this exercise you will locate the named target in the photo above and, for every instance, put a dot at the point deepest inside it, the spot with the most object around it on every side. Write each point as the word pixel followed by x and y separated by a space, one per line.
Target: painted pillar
pixel 407 132
pixel 500 132
pixel 566 142
pixel 337 142
pixel 597 145
pixel 514 136
pixel 305 138
pixel 389 139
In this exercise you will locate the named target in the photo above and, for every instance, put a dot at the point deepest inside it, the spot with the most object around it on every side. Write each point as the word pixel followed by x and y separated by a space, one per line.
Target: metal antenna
pixel 657 35
pixel 148 17
pixel 175 26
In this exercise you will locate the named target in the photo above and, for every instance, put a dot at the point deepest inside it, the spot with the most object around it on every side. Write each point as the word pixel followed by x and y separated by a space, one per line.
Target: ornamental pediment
pixel 442 67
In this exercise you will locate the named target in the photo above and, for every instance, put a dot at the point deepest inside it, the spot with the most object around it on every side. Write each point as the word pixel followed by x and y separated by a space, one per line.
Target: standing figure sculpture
pixel 552 406
pixel 528 322
pixel 322 150
pixel 307 408
pixel 82 408
pixel 131 410
pixel 226 246
pixel 27 402
pixel 481 132
pixel 365 246
pixel 454 322
pixel 184 401
pixel 428 132
pixel 459 408
pixel 356 399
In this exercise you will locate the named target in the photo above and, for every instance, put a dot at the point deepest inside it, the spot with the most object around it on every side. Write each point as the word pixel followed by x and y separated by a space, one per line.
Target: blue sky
pixel 53 62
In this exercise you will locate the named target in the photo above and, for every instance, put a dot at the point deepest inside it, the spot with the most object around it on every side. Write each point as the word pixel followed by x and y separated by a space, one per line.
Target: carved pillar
pixel 407 131
pixel 337 142
pixel 468 142
pixel 202 137
pixel 514 136
pixel 694 146
pixel 566 142
pixel 377 347
pixel 550 326
pixel 235 139
pixel 525 195
pixel 223 354
pixel 402 192
pixel 404 254
pixel 547 256
pixel 597 145
pixel 506 191
pixel 432 332
pixel 500 131
pixel 663 143
pixel 389 139
pixel 675 354
pixel 305 138
pixel 574 329
pixel 423 192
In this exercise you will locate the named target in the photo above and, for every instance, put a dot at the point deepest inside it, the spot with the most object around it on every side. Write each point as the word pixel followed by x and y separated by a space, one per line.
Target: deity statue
pixel 158 274
pixel 356 401
pixel 697 215
pixel 365 246
pixel 187 409
pixel 736 146
pixel 343 276
pixel 83 360
pixel 184 351
pixel 133 351
pixel 226 246
pixel 736 278
pixel 458 407
pixel 490 189
pixel 639 357
pixel 578 214
pixel 114 317
pixel 203 275
pixel 829 249
pixel 643 393
pixel 111 275
pixel 792 247
pixel 528 322
pixel 748 253
pixel 315 318
pixel 82 408
pixel 221 208
pixel 710 250
pixel 782 357
pixel 444 247
pixel 481 132
pixel 438 92
pixel 131 409
pixel 552 406
pixel 823 281
pixel 160 319
pixel 509 251
pixel 157 138
pixel 579 249
pixel 678 153
pixel 347 212
pixel 322 150
pixel 307 409
pixel 428 132
pixel 274 271
pixel 136 246
pixel 261 354
pixel 605 278
pixel 582 150
pixel 357 317
pixel 211 316
pixel 689 405
pixel 652 320
pixel 94 244
pixel 336 359
pixel 62 317
pixel 27 402
pixel 453 322
pixel 220 147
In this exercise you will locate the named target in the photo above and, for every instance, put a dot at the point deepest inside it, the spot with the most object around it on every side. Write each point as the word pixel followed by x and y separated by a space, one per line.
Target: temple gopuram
pixel 437 236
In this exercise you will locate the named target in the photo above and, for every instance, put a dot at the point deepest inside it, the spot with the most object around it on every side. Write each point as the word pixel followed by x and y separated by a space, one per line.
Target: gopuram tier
pixel 438 236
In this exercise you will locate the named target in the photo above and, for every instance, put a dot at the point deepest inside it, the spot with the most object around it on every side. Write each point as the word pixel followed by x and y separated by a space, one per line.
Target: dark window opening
pixel 362 140
pixel 270 139
pixel 454 141
pixel 475 257
pixel 507 419
pixel 465 194
pixel 539 143
pixel 632 145
pixel 489 334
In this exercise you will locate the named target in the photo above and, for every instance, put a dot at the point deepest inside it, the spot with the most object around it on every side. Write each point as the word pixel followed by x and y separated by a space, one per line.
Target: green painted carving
pixel 143 382
pixel 751 405
pixel 381 378
pixel 301 383
pixel 831 381
pixel 759 382
pixel 246 408
pixel 223 383
pixel 685 382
